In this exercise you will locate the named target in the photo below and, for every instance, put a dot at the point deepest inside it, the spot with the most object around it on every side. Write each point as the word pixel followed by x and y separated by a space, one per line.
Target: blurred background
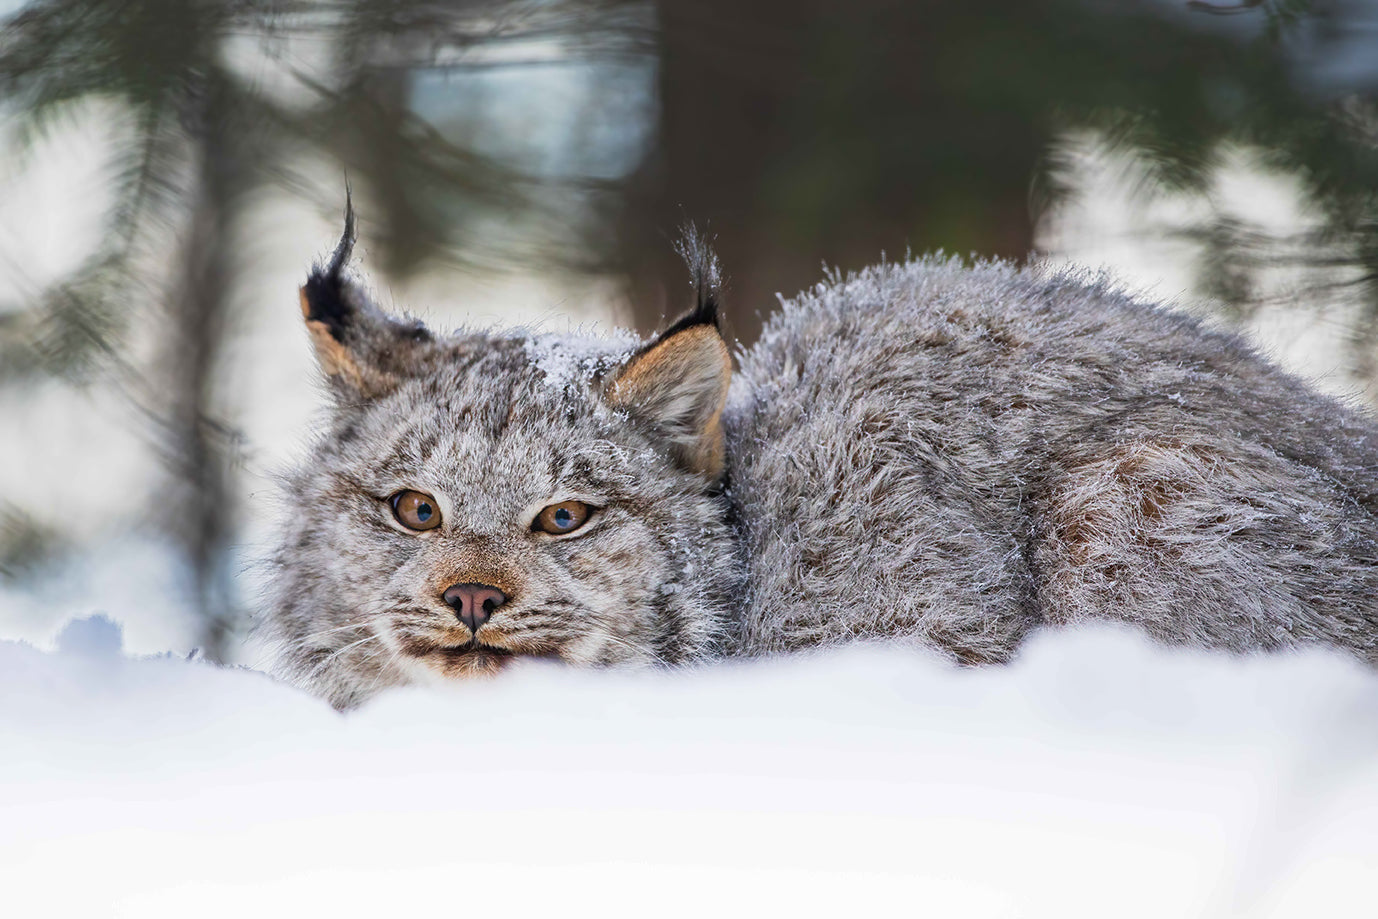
pixel 170 168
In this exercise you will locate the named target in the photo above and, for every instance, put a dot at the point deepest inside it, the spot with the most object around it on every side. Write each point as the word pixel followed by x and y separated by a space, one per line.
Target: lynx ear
pixel 678 383
pixel 362 350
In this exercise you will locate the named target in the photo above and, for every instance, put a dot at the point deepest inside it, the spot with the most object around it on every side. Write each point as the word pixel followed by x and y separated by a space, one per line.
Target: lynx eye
pixel 415 511
pixel 565 517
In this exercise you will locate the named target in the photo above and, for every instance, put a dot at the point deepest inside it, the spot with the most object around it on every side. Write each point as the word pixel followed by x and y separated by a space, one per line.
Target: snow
pixel 1097 776
pixel 579 355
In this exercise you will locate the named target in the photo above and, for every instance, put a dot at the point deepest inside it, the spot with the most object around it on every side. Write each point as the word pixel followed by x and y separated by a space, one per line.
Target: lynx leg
pixel 882 541
pixel 1209 542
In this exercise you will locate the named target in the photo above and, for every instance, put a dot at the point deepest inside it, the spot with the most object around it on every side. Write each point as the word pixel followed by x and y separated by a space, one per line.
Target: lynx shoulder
pixel 943 455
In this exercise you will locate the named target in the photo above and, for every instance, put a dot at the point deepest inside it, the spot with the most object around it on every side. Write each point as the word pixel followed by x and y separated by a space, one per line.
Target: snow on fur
pixel 1096 776
pixel 568 360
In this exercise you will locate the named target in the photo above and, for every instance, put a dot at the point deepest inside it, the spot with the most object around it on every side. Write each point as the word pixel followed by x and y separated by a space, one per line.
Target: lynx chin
pixel 926 452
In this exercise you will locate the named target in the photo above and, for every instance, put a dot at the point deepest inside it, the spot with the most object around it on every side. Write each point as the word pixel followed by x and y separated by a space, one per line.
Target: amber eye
pixel 415 511
pixel 565 517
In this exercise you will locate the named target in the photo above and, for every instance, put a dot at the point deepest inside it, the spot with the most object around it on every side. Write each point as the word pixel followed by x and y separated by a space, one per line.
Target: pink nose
pixel 473 603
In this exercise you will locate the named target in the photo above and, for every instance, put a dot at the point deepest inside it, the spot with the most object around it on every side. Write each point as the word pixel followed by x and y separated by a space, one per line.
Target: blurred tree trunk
pixel 197 502
pixel 799 132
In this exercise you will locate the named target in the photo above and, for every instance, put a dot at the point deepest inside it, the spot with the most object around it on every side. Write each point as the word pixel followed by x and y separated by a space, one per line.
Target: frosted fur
pixel 924 452
pixel 565 361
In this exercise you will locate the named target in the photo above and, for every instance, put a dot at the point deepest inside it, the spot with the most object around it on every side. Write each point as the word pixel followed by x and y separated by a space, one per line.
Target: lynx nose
pixel 473 603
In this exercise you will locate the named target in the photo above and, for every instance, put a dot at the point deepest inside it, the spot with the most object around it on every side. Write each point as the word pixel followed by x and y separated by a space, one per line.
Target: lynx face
pixel 481 498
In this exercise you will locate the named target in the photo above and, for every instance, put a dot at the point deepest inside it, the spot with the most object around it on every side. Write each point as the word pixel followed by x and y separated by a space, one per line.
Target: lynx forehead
pixel 943 455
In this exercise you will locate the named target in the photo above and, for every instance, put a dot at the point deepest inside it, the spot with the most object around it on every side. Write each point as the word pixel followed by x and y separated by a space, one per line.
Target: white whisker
pixel 329 658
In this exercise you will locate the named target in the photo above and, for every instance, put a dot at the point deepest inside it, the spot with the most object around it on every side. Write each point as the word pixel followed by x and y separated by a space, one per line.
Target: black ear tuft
pixel 362 349
pixel 677 385
pixel 705 273
pixel 323 295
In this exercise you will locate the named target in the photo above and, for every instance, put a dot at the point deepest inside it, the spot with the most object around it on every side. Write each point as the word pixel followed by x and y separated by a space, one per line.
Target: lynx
pixel 945 455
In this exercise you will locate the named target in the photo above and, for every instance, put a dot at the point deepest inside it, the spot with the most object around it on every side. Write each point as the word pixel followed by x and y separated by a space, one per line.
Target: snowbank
pixel 1096 777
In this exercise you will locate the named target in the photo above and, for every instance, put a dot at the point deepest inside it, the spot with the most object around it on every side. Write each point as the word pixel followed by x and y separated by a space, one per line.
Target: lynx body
pixel 925 452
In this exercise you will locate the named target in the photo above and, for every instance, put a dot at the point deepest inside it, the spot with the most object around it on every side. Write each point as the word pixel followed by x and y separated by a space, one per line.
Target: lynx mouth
pixel 471 657
pixel 475 649
pixel 472 650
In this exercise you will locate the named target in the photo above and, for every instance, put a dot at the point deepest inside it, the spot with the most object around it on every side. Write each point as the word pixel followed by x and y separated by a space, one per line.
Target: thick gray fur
pixel 944 455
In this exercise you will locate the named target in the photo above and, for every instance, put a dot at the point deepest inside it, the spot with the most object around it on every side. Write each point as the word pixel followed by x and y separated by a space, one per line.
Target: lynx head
pixel 479 497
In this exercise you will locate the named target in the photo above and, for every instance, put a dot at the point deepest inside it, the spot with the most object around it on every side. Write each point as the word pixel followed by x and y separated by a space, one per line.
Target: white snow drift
pixel 1097 776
